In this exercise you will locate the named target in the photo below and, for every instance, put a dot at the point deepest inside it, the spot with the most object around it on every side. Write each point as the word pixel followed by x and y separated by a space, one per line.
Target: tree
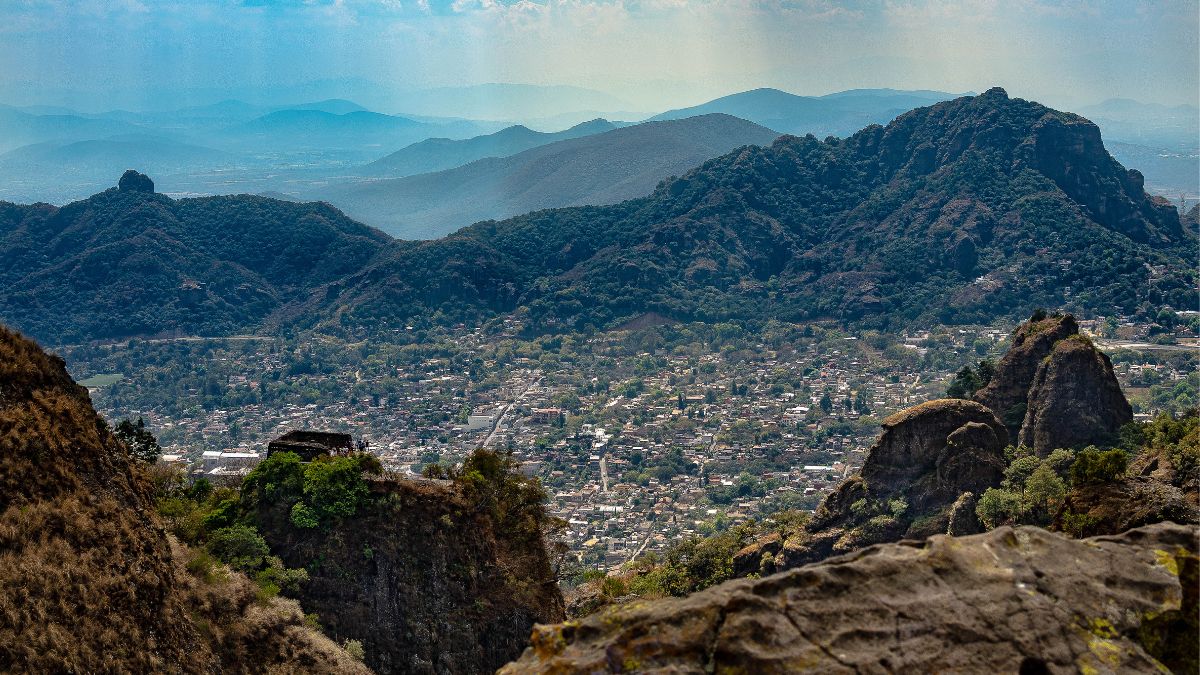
pixel 1044 491
pixel 239 546
pixel 826 403
pixel 142 444
pixel 997 507
pixel 1098 466
pixel 1018 473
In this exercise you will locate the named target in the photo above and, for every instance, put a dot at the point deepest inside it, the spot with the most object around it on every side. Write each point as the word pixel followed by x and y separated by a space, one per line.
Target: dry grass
pixel 89 581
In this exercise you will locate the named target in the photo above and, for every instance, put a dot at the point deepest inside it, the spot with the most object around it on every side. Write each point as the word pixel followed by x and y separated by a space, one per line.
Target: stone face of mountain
pixel 131 262
pixel 1008 391
pixel 1074 399
pixel 928 469
pixel 1054 389
pixel 439 154
pixel 423 579
pixel 89 580
pixel 597 169
pixel 1012 600
pixel 925 460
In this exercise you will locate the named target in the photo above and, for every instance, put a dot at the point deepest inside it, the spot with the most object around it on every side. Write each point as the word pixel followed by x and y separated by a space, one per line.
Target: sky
pixel 651 54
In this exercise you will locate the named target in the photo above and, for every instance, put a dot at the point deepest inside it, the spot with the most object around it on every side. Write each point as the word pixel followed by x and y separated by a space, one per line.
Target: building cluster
pixel 637 449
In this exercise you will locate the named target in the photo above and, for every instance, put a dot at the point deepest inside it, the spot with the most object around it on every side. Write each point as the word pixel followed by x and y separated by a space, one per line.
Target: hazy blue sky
pixel 653 54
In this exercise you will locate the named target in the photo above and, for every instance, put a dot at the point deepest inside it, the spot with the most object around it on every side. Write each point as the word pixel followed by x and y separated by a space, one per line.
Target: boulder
pixel 1011 600
pixel 1074 399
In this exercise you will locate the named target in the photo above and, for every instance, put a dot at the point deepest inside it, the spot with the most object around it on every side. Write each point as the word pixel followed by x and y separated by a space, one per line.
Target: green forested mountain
pixel 963 211
pixel 130 262
pixel 967 210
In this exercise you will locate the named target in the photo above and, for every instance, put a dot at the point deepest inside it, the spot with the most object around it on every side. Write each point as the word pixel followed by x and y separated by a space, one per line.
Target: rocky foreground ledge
pixel 1020 600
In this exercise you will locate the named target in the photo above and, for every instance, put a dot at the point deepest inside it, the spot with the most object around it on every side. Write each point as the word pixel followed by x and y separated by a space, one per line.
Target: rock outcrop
pixel 1011 600
pixel 1054 389
pixel 1160 485
pixel 1074 399
pixel 1008 391
pixel 423 577
pixel 89 579
pixel 926 459
pixel 132 181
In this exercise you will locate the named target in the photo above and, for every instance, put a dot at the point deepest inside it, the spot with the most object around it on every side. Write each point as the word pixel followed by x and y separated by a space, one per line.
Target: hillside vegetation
pixel 966 211
pixel 131 262
pixel 90 581
pixel 963 211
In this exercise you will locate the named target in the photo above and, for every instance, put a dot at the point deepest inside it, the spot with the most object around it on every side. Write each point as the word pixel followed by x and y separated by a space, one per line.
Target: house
pixel 546 415
pixel 311 444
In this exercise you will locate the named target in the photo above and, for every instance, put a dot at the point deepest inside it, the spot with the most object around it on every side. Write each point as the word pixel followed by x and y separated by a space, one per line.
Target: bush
pixel 1098 466
pixel 334 487
pixel 997 507
pixel 304 517
pixel 239 546
pixel 280 578
pixel 355 649
pixel 142 444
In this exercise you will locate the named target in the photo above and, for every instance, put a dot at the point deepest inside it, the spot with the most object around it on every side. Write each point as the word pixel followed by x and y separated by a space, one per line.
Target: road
pixel 496 426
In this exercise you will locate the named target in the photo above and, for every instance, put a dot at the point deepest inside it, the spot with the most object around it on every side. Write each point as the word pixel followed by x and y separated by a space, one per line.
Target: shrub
pixel 239 546
pixel 222 515
pixel 142 444
pixel 304 517
pixel 277 478
pixel 1098 466
pixel 205 567
pixel 280 578
pixel 355 649
pixel 997 507
pixel 334 487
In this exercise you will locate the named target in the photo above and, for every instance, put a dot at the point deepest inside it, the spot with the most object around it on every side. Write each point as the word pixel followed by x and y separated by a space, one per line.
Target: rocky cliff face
pixel 89 580
pixel 1008 391
pixel 1012 600
pixel 1074 398
pixel 423 578
pixel 1054 389
pixel 928 469
pixel 1162 484
pixel 926 459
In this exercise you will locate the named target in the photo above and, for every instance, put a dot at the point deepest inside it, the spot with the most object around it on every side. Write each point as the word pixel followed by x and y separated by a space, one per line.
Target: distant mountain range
pixel 505 101
pixel 964 211
pixel 438 154
pixel 298 149
pixel 600 168
pixel 839 114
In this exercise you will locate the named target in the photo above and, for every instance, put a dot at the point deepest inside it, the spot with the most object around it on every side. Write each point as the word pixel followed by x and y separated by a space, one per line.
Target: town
pixel 641 437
